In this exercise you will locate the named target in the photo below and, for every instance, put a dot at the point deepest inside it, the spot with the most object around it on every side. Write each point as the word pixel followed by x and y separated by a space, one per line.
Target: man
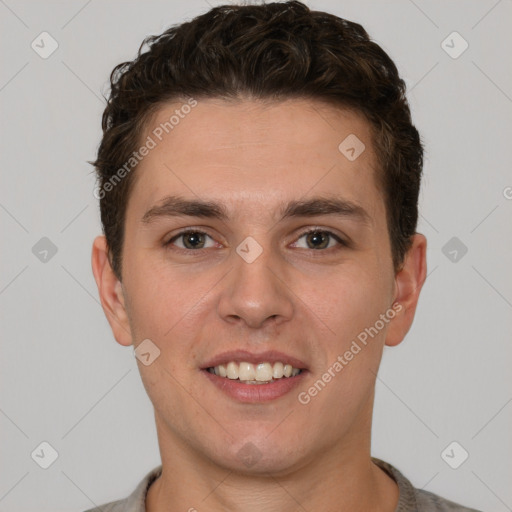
pixel 258 181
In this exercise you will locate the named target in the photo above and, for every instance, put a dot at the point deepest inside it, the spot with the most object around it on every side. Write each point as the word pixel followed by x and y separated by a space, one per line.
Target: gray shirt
pixel 410 499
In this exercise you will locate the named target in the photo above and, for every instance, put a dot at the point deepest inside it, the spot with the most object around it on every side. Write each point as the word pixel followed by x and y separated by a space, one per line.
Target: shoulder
pixel 113 506
pixel 428 502
pixel 137 499
pixel 418 499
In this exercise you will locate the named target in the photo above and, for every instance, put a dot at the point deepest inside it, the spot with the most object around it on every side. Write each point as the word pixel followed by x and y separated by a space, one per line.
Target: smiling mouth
pixel 248 373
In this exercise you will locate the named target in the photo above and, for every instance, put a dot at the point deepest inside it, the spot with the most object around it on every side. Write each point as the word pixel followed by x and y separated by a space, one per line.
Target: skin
pixel 306 302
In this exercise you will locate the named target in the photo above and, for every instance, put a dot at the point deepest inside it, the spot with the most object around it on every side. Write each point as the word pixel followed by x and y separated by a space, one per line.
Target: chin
pixel 260 455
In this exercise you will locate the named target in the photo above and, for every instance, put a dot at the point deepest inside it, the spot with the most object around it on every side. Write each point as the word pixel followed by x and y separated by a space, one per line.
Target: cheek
pixel 345 381
pixel 158 299
pixel 173 310
pixel 352 311
pixel 351 300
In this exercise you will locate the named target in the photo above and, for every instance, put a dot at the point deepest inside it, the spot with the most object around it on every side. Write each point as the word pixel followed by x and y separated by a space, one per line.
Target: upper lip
pixel 270 356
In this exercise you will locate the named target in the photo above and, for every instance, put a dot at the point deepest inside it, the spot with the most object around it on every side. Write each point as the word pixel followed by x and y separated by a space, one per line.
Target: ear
pixel 408 283
pixel 111 292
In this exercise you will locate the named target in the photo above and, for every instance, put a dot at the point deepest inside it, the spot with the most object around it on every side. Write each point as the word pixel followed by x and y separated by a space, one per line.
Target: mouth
pixel 251 378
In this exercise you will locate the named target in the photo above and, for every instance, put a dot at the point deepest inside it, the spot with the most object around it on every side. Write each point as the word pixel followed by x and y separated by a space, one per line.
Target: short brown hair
pixel 272 51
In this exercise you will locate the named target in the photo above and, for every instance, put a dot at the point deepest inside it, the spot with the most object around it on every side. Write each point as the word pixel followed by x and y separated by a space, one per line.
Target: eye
pixel 192 239
pixel 320 239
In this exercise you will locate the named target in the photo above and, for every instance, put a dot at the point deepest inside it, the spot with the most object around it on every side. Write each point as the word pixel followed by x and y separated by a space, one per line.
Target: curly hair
pixel 272 51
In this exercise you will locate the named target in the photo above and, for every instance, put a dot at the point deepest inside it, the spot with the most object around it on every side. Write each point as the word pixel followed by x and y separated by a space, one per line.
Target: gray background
pixel 64 379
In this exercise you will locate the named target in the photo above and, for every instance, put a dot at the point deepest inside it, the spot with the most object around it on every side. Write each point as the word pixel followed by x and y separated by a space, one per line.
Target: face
pixel 287 260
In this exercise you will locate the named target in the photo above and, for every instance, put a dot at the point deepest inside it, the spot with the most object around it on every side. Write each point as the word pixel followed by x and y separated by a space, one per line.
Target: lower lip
pixel 254 393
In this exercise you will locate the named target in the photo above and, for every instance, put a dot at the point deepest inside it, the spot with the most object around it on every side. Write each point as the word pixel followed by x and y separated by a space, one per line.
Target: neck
pixel 342 479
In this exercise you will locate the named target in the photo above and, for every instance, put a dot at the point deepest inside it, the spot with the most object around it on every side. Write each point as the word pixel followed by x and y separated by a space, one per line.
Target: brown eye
pixel 191 240
pixel 317 240
pixel 320 239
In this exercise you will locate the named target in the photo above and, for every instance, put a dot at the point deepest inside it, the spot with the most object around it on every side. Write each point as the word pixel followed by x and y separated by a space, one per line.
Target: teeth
pixel 278 370
pixel 232 371
pixel 246 371
pixel 255 374
pixel 263 372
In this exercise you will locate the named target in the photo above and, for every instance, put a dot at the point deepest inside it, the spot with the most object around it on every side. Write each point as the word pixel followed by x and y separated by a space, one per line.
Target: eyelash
pixel 168 244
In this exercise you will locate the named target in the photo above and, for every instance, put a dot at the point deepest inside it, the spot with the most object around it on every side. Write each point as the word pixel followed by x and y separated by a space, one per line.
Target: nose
pixel 256 293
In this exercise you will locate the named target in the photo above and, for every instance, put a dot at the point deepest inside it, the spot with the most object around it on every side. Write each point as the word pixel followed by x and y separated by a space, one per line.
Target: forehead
pixel 248 152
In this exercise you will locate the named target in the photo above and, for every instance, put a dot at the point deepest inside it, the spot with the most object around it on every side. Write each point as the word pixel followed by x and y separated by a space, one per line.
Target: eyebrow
pixel 177 206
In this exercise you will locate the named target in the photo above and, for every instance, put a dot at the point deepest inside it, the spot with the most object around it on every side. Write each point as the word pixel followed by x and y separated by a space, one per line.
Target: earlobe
pixel 409 282
pixel 111 292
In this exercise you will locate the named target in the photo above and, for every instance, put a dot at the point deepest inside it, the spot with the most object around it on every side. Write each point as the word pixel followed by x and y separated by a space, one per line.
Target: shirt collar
pixel 136 502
